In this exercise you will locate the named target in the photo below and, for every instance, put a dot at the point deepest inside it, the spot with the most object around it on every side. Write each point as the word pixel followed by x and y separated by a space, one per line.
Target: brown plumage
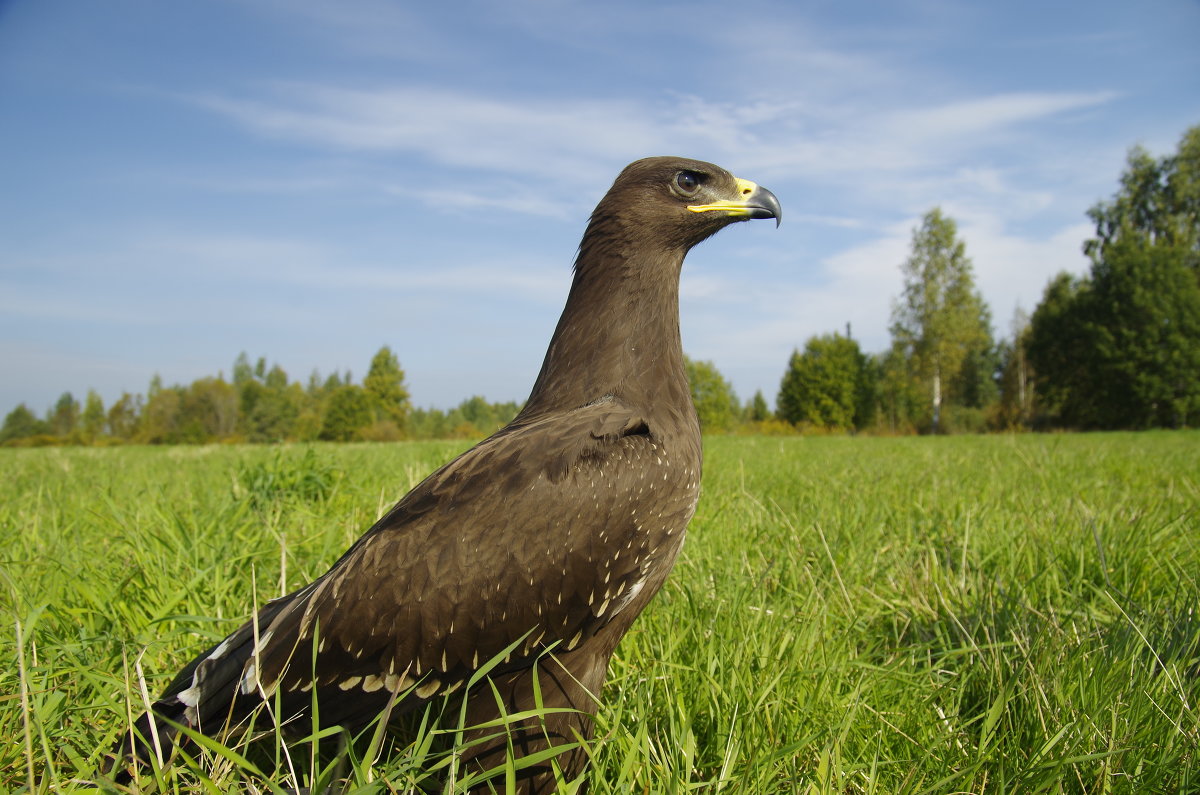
pixel 548 537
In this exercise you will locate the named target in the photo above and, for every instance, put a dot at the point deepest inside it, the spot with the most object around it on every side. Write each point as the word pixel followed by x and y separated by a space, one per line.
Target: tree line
pixel 259 404
pixel 1116 348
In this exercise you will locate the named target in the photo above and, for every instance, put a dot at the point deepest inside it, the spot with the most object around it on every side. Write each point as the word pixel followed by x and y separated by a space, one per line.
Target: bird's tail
pixel 204 694
pixel 150 741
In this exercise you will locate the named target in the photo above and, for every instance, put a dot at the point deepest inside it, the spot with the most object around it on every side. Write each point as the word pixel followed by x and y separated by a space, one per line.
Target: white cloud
pixel 962 120
pixel 525 202
pixel 545 138
pixel 564 140
pixel 859 122
pixel 1013 270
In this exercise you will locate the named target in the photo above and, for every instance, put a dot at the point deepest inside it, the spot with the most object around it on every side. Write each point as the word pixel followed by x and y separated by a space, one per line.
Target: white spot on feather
pixel 191 696
pixel 349 683
pixel 263 641
pixel 633 592
pixel 430 687
pixel 220 651
pixel 248 679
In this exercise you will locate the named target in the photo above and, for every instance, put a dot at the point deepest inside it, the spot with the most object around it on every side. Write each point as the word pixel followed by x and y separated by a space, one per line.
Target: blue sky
pixel 309 181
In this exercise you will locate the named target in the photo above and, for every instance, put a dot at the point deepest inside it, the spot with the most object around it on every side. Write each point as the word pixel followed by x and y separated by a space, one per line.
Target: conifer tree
pixel 91 422
pixel 64 416
pixel 384 385
pixel 757 410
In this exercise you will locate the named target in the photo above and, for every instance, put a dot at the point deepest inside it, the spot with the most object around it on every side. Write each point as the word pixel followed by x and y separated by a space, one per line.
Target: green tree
pixel 1062 355
pixel 1158 204
pixel 1015 407
pixel 21 423
pixel 160 420
pixel 63 418
pixel 385 387
pixel 823 386
pixel 757 409
pixel 243 373
pixel 427 424
pixel 123 416
pixel 91 423
pixel 474 417
pixel 348 410
pixel 940 321
pixel 1146 333
pixel 716 404
pixel 208 411
pixel 1120 348
pixel 269 407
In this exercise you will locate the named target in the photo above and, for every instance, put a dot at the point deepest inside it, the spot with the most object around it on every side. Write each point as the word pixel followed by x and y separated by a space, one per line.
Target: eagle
pixel 507 577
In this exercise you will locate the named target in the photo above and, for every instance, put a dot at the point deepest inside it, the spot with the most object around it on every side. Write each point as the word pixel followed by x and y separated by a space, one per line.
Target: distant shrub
pixel 283 477
pixel 381 431
pixel 960 419
pixel 38 440
pixel 772 426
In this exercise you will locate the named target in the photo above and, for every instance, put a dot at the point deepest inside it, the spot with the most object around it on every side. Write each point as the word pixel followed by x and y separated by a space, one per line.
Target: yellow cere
pixel 745 189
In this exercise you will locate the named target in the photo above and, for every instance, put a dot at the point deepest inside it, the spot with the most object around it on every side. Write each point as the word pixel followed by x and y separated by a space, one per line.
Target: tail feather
pixel 205 696
pixel 151 740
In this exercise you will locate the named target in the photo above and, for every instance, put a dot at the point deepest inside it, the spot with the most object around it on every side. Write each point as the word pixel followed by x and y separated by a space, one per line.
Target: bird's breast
pixel 641 502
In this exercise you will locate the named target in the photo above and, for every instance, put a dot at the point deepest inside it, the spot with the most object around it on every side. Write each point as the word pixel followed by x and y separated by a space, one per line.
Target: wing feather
pixel 533 534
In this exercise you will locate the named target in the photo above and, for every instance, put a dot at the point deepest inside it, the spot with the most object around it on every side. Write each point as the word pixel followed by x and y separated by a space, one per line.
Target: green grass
pixel 965 614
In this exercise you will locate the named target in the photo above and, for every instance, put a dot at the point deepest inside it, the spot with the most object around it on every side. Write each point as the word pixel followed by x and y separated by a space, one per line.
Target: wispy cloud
pixel 546 138
pixel 507 198
pixel 562 139
pixel 983 115
pixel 345 174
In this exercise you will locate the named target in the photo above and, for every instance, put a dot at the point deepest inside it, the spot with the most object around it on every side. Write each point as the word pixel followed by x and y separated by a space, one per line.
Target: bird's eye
pixel 687 182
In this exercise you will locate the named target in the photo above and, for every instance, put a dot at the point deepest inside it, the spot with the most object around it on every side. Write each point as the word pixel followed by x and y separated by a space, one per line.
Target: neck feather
pixel 619 332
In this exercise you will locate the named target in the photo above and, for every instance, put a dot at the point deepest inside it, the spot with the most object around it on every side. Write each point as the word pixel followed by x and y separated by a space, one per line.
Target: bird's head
pixel 676 202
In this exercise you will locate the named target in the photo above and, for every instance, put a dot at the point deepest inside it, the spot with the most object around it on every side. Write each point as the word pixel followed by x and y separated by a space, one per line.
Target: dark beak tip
pixel 767 206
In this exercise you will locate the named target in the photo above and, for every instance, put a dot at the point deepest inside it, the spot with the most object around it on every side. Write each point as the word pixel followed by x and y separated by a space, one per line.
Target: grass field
pixel 964 614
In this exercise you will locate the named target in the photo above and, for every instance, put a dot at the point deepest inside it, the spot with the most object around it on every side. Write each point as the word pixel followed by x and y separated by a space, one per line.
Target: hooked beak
pixel 754 201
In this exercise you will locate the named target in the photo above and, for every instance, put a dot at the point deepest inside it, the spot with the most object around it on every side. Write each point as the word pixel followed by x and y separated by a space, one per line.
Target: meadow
pixel 849 615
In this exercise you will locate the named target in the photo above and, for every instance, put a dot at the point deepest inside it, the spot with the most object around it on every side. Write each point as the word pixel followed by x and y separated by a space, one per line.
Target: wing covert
pixel 542 533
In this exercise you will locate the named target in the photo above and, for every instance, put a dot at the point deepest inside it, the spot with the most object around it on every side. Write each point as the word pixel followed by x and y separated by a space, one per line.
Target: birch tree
pixel 940 318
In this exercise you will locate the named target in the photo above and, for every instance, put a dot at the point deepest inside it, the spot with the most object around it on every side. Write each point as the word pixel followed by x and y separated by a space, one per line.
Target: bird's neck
pixel 618 336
